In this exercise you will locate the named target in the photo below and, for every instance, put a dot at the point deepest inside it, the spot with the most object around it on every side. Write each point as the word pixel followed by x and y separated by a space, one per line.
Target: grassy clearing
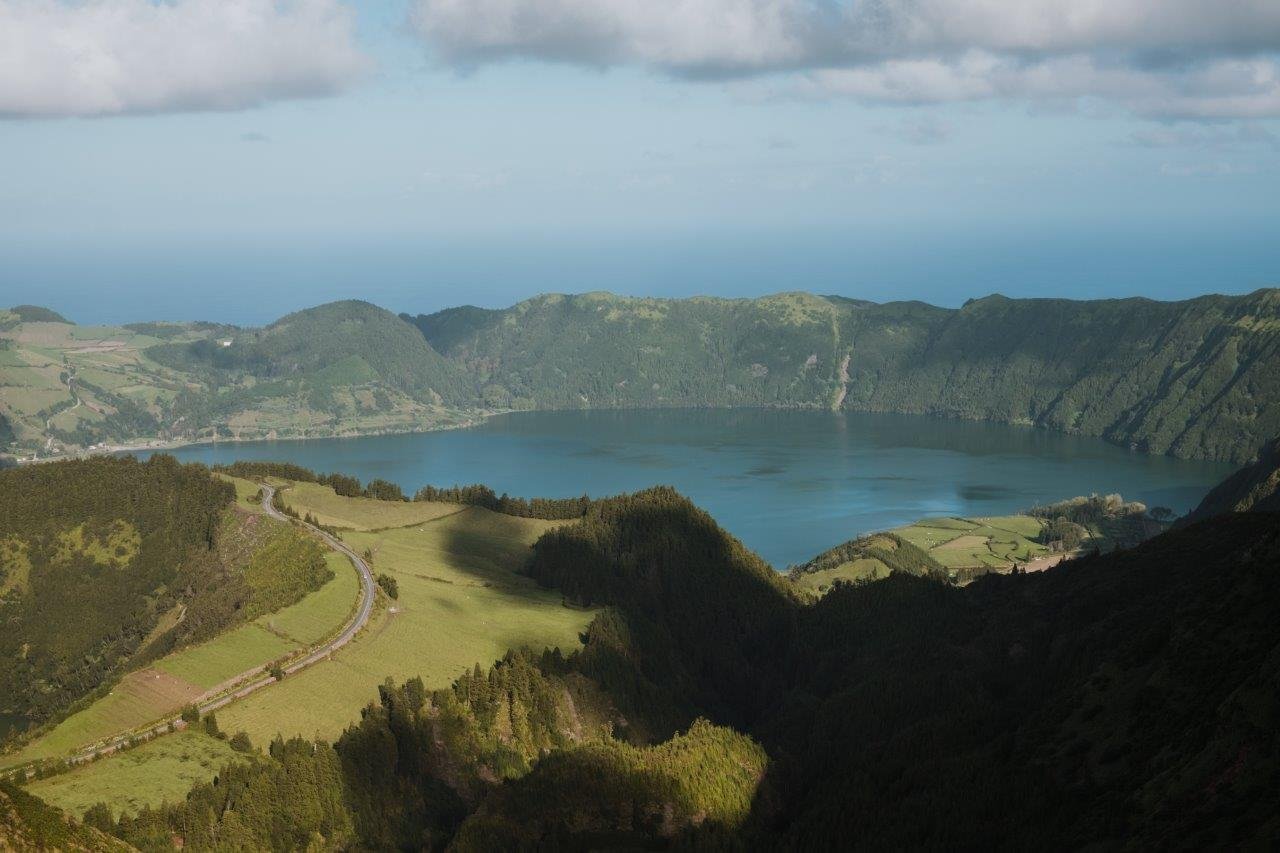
pixel 148 775
pixel 246 492
pixel 993 542
pixel 863 568
pixel 334 510
pixel 460 603
pixel 210 664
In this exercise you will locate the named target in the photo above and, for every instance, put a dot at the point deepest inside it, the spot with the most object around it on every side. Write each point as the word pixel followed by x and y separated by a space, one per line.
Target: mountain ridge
pixel 1195 378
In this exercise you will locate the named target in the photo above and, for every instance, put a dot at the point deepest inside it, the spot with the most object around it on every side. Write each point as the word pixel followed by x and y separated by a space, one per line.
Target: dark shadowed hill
pixel 1120 700
pixel 1254 488
pixel 1199 378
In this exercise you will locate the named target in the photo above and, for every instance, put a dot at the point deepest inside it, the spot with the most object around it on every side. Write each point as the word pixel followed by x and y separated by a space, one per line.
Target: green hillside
pixel 107 564
pixel 91 556
pixel 601 350
pixel 27 825
pixel 1199 378
pixel 337 369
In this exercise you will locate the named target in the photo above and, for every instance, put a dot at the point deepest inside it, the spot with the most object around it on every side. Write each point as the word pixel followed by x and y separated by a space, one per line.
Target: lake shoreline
pixel 789 483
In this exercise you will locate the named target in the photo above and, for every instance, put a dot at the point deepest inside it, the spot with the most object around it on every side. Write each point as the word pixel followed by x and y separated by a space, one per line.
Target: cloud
pixel 254 136
pixel 112 57
pixel 1162 58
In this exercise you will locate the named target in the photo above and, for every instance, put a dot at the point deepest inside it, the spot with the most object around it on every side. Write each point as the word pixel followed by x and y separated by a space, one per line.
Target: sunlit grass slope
pixel 159 771
pixel 460 602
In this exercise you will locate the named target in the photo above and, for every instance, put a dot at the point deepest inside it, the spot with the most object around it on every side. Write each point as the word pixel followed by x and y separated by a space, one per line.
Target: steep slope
pixel 600 350
pixel 336 369
pixel 1196 379
pixel 1199 378
pixel 1254 488
pixel 27 825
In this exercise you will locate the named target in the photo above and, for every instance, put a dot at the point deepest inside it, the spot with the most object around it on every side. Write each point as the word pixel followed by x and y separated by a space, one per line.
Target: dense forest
pixel 1122 698
pixel 86 550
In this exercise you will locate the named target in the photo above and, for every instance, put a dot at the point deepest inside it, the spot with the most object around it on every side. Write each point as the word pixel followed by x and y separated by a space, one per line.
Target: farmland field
pixel 994 542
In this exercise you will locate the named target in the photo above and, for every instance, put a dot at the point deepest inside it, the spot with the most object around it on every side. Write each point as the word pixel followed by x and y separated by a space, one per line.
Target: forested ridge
pixel 1198 378
pixel 1125 698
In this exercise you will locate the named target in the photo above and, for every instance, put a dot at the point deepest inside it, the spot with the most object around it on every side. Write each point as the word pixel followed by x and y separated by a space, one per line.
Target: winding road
pixel 247 682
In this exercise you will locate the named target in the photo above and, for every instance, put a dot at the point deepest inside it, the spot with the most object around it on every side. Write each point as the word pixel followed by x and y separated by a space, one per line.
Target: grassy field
pixel 246 491
pixel 331 509
pixel 460 604
pixel 40 356
pixel 164 769
pixel 994 542
pixel 863 568
pixel 210 664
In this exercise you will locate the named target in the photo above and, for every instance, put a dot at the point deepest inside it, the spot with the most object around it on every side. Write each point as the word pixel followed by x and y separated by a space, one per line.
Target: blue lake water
pixel 788 483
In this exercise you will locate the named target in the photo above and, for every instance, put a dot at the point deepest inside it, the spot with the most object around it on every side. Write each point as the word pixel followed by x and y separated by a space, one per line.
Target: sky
pixel 237 159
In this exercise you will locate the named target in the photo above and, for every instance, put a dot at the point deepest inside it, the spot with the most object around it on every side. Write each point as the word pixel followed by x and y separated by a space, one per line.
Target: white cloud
pixel 108 57
pixel 1167 58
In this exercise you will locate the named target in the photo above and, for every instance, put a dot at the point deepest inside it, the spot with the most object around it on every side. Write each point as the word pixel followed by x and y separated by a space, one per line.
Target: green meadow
pixel 148 775
pixel 460 602
pixel 994 542
pixel 334 510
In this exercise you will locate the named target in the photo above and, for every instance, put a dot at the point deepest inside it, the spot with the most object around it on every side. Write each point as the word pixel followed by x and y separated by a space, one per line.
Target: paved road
pixel 251 686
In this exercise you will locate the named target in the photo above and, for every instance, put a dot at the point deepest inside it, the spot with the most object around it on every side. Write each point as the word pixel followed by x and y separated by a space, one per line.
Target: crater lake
pixel 789 484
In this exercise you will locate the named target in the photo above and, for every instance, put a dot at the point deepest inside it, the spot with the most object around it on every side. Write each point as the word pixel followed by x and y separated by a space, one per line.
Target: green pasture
pixel 148 775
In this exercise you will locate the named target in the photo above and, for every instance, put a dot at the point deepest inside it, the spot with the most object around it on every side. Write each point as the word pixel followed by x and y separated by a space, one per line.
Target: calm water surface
pixel 789 484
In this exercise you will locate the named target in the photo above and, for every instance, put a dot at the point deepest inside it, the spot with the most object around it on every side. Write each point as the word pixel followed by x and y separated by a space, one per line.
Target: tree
pixel 211 725
pixel 190 714
pixel 99 817
pixel 389 585
pixel 241 743
pixel 1161 513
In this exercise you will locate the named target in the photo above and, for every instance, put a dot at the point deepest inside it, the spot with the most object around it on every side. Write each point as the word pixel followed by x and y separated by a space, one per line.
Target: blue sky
pixel 437 152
